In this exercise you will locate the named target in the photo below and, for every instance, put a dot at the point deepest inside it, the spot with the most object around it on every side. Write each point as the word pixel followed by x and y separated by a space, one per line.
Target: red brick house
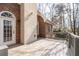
pixel 18 23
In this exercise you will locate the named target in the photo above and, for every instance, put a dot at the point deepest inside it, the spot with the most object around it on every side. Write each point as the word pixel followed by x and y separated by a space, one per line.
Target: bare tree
pixel 75 15
pixel 60 11
pixel 69 13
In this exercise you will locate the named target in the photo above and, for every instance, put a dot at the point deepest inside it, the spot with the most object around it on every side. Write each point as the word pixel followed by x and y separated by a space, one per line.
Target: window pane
pixel 7 31
pixel 6 14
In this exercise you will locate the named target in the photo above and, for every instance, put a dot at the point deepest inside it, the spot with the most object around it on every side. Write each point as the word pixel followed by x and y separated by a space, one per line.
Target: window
pixel 7 30
pixel 49 28
pixel 6 14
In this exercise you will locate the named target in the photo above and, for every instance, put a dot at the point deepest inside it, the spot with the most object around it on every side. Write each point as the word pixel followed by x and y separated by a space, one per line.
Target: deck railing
pixel 73 44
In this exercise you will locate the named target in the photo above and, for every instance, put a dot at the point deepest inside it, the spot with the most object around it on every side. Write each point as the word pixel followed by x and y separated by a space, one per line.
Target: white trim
pixel 13 19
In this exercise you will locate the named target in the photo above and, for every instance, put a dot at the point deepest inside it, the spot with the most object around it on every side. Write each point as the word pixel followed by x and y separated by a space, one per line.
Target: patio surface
pixel 43 47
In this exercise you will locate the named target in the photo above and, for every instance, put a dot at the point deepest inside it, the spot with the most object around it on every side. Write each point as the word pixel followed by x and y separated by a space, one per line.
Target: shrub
pixel 61 34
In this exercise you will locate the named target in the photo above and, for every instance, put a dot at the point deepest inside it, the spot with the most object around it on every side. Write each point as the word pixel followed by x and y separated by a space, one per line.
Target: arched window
pixel 8 25
pixel 6 14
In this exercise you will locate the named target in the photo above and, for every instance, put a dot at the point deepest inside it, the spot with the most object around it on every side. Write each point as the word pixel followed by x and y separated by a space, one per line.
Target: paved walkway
pixel 43 47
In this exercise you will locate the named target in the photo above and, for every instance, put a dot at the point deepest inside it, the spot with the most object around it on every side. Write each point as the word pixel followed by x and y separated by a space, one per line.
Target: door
pixel 7 28
pixel 8 31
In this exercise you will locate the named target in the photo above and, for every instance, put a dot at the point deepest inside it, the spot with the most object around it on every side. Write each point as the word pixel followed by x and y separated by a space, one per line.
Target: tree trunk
pixel 73 21
pixel 70 20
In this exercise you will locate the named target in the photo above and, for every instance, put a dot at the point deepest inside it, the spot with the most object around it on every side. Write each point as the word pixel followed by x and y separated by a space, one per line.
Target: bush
pixel 61 34
pixel 56 30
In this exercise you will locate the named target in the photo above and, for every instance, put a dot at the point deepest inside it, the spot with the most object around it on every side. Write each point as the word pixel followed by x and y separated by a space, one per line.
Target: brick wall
pixel 15 9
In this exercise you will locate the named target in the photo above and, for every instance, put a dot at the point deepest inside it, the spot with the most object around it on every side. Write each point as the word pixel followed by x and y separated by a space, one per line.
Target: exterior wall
pixel 28 20
pixel 15 9
pixel 47 32
pixel 28 23
pixel 41 26
pixel 22 23
pixel 37 28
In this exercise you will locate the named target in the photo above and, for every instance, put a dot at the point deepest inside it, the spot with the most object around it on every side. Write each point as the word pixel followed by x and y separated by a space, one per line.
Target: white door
pixel 8 26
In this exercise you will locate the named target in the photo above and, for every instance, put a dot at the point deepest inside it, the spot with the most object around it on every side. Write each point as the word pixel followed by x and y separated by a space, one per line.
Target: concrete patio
pixel 43 47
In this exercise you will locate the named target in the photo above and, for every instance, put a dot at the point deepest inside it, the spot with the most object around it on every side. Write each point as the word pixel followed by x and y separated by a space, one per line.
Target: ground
pixel 42 47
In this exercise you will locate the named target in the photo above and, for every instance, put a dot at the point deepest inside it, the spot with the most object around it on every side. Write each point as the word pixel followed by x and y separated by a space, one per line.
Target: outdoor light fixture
pixel 29 15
